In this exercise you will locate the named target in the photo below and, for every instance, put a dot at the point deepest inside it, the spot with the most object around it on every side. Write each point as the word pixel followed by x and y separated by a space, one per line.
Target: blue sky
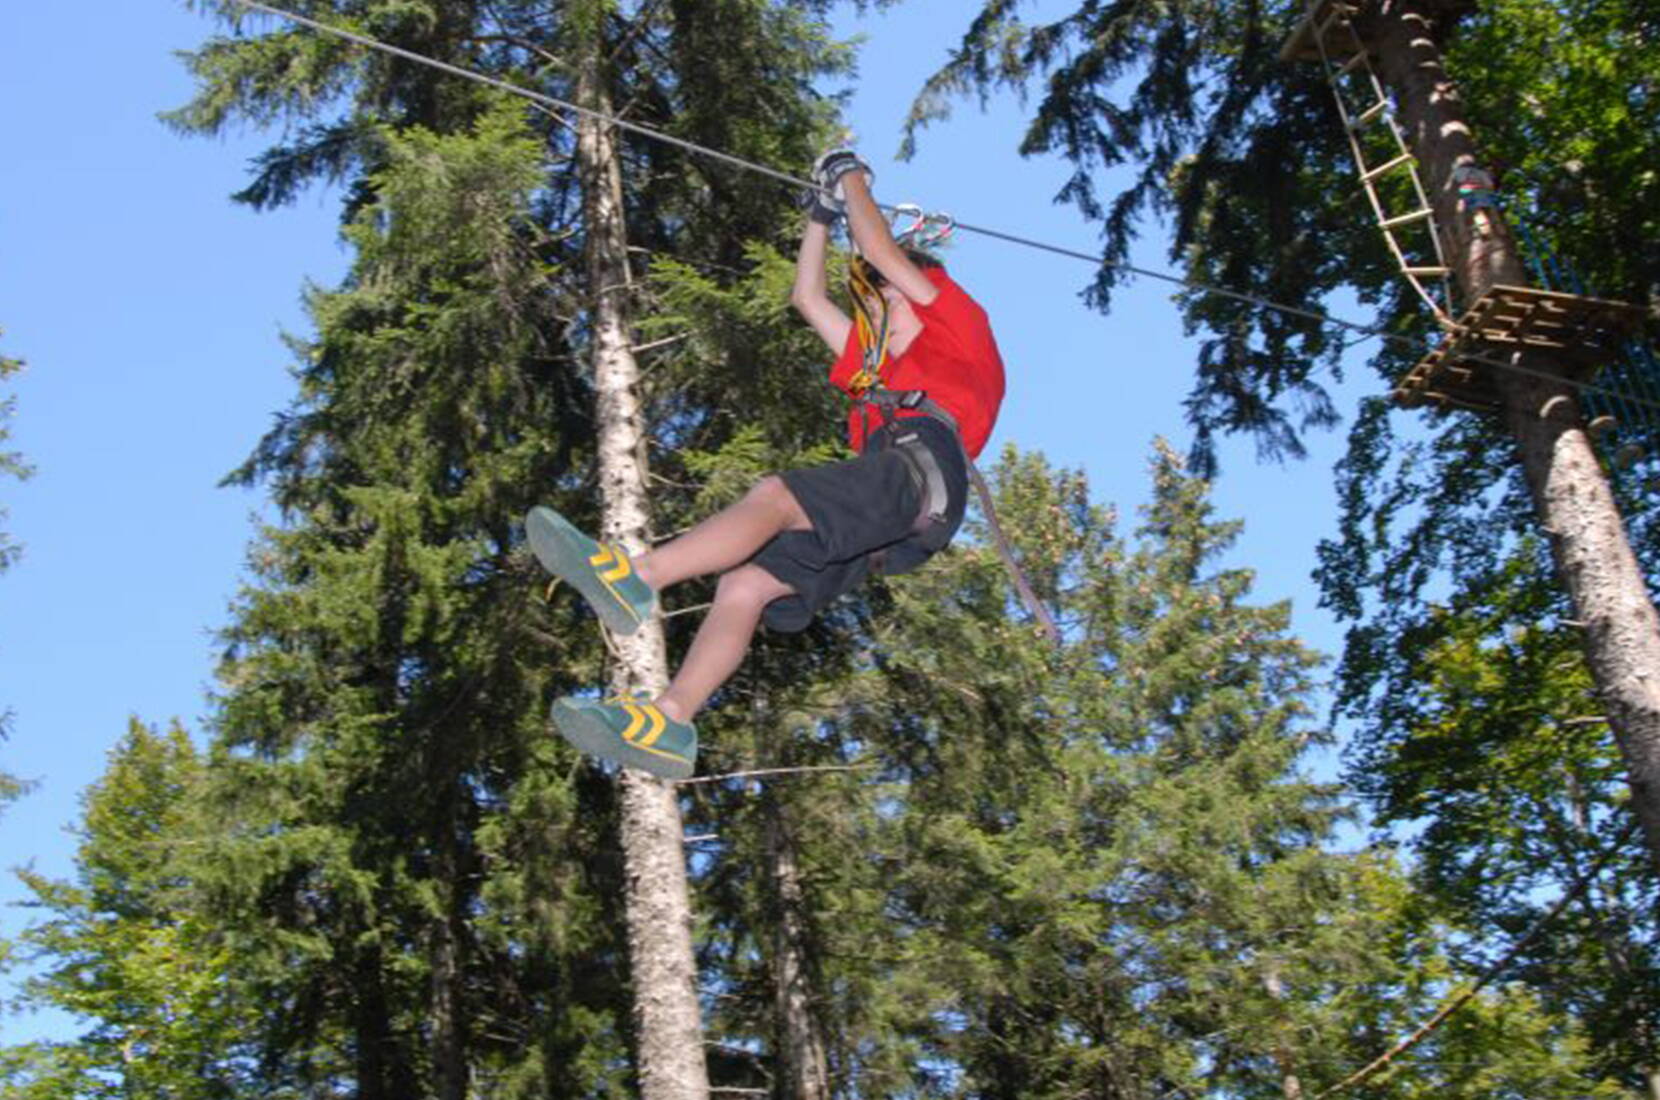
pixel 150 308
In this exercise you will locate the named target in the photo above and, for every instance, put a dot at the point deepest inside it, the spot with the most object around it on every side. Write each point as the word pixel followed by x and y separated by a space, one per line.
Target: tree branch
pixel 776 771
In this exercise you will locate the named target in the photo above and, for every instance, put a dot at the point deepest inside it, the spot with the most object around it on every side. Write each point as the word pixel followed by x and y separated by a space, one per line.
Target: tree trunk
pixel 372 1046
pixel 449 1025
pixel 1575 504
pixel 663 970
pixel 806 1073
pixel 1291 1086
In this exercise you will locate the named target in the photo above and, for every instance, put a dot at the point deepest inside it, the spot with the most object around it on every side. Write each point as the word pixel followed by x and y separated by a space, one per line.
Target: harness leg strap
pixel 926 475
pixel 886 401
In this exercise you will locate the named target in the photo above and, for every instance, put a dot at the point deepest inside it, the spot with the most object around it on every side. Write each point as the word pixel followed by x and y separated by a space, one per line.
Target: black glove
pixel 821 207
pixel 832 166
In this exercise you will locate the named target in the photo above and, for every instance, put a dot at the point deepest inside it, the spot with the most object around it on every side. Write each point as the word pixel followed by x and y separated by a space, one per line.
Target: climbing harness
pixel 868 392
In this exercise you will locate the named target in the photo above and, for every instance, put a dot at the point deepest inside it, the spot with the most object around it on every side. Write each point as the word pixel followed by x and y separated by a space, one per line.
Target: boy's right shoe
pixel 601 572
pixel 631 732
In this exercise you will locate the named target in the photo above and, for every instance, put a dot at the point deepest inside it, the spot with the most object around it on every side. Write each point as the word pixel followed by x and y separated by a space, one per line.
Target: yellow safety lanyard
pixel 873 329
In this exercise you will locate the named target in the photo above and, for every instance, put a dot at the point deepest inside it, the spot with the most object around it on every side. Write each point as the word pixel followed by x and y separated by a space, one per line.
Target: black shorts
pixel 864 513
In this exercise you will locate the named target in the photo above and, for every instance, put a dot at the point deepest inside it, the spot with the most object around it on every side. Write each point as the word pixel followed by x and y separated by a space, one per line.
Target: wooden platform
pixel 1579 333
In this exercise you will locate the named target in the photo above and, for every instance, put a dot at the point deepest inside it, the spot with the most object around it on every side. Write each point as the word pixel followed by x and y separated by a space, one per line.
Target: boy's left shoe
pixel 631 732
pixel 602 573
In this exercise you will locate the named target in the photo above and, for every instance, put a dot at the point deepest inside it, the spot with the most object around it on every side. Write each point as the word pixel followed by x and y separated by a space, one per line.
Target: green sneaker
pixel 601 572
pixel 631 732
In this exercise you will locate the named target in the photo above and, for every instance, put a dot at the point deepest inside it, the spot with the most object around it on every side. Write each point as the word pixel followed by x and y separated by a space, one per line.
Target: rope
pixel 1464 997
pixel 996 234
pixel 1046 621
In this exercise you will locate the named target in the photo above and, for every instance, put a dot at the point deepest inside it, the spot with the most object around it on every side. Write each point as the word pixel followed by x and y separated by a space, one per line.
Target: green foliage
pixel 1109 876
pixel 1460 669
pixel 1498 751
pixel 12 465
pixel 1016 872
pixel 1558 94
pixel 128 949
pixel 422 886
pixel 11 462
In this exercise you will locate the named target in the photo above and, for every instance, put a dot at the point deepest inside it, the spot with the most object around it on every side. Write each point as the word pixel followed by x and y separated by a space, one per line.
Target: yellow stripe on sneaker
pixel 610 555
pixel 643 715
pixel 658 724
pixel 637 718
pixel 679 758
pixel 622 570
pixel 613 557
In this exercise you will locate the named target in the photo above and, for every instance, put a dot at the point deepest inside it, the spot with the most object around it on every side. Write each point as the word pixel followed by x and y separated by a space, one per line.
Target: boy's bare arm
pixel 875 240
pixel 810 296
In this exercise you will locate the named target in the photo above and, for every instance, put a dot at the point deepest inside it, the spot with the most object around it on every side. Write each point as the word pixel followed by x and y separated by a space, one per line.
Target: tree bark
pixel 806 1072
pixel 669 1034
pixel 1575 504
pixel 449 1025
pixel 1291 1086
pixel 373 1051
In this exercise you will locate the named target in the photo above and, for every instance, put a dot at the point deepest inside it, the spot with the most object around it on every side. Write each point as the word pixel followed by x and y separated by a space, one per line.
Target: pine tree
pixel 427 887
pixel 127 949
pixel 1495 746
pixel 1122 888
pixel 1246 155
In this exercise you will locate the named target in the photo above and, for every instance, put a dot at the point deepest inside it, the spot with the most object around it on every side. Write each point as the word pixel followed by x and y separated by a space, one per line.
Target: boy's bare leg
pixel 722 640
pixel 727 538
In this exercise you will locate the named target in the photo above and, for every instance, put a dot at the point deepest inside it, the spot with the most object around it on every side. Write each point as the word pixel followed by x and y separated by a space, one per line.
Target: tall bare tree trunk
pixel 662 967
pixel 1291 1086
pixel 1575 504
pixel 806 1072
pixel 449 1023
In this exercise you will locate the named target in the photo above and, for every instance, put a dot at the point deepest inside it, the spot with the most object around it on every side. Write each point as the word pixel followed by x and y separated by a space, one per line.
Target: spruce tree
pixel 1128 890
pixel 1494 746
pixel 429 888
pixel 128 951
pixel 1247 155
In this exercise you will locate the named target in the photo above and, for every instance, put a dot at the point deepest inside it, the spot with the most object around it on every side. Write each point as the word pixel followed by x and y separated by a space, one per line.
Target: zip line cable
pixel 996 234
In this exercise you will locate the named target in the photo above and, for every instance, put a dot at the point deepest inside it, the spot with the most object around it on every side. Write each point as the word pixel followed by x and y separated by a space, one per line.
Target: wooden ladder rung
pixel 1405 219
pixel 1431 272
pixel 1369 115
pixel 1352 63
pixel 1389 165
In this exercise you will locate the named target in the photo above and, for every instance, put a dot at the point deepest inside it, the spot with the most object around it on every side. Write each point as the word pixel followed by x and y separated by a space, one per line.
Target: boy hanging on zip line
pixel 926 379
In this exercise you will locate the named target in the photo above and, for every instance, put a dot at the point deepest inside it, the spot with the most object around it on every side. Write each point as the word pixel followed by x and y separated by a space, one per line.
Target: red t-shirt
pixel 954 359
